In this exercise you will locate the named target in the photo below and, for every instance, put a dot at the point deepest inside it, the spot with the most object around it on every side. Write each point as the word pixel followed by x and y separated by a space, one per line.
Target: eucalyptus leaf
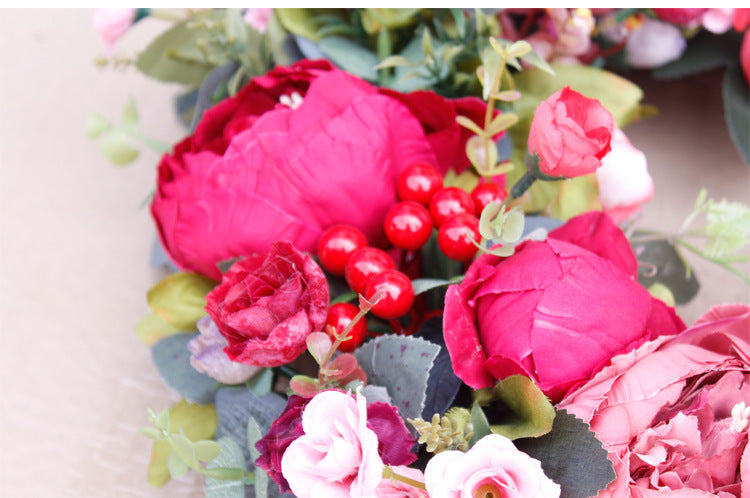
pixel 421 285
pixel 115 146
pixel 206 450
pixel 152 328
pixel 172 359
pixel 184 448
pixel 129 118
pixel 95 125
pixel 350 56
pixel 571 456
pixel 736 95
pixel 152 433
pixel 177 467
pixel 260 384
pixel 230 457
pixel 254 435
pixel 180 299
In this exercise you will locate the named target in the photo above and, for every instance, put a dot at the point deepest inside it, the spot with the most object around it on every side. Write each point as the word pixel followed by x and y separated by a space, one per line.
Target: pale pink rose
pixel 654 43
pixel 207 355
pixel 112 24
pixel 493 466
pixel 397 489
pixel 258 18
pixel 337 456
pixel 673 413
pixel 718 20
pixel 624 182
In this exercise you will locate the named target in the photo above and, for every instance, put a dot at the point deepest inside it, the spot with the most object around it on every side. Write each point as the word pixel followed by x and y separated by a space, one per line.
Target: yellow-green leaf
pixel 534 411
pixel 180 299
pixel 661 291
pixel 198 422
pixel 299 22
pixel 152 328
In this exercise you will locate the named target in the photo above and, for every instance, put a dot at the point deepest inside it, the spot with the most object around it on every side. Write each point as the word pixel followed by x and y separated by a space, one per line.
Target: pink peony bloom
pixel 337 456
pixel 492 467
pixel 570 133
pixel 397 489
pixel 287 157
pixel 267 305
pixel 681 17
pixel 258 18
pixel 207 355
pixel 556 311
pixel 624 182
pixel 673 413
pixel 112 24
pixel 653 44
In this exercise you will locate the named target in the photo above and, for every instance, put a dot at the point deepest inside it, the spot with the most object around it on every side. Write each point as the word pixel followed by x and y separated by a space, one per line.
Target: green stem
pixel 522 185
pixel 719 262
pixel 388 473
pixel 495 88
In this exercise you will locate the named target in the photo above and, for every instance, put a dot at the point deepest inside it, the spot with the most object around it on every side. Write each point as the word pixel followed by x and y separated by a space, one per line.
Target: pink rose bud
pixel 570 133
pixel 624 182
pixel 492 467
pixel 112 24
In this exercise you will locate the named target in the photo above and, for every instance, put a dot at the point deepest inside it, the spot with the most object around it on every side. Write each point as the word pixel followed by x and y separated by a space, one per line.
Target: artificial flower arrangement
pixel 416 275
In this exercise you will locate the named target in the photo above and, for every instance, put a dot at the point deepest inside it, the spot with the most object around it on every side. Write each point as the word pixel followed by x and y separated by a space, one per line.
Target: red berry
pixel 363 264
pixel 484 194
pixel 447 202
pixel 408 225
pixel 397 297
pixel 418 182
pixel 453 239
pixel 336 245
pixel 340 315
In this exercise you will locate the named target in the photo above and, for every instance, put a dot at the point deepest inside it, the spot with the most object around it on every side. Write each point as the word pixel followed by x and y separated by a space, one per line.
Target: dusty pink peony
pixel 492 467
pixel 337 456
pixel 287 157
pixel 396 489
pixel 673 413
pixel 112 24
pixel 207 355
pixel 570 133
pixel 267 305
pixel 556 311
pixel 624 182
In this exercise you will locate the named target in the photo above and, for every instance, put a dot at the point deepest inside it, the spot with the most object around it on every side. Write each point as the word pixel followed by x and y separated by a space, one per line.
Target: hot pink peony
pixel 570 133
pixel 492 467
pixel 267 305
pixel 673 414
pixel 556 311
pixel 337 456
pixel 288 156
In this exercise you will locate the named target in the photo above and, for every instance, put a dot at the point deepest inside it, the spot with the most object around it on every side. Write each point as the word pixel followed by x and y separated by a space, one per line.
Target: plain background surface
pixel 74 246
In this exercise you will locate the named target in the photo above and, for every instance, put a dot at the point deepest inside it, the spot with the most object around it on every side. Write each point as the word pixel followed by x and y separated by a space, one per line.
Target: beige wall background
pixel 75 382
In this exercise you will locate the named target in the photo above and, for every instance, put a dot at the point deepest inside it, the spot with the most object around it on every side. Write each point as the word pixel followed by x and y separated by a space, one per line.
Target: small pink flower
pixel 624 182
pixel 397 489
pixel 337 456
pixel 207 355
pixel 492 467
pixel 258 18
pixel 653 44
pixel 718 20
pixel 112 24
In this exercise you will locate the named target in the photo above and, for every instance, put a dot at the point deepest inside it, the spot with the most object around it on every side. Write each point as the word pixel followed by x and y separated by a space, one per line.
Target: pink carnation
pixel 337 456
pixel 494 467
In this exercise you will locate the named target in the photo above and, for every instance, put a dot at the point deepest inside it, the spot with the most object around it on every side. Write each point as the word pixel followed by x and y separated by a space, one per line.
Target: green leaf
pixel 704 52
pixel 176 466
pixel 232 462
pixel 172 358
pixel 662 292
pixel 260 383
pixel 277 37
pixel 661 263
pixel 736 95
pixel 129 118
pixel 95 125
pixel 421 285
pixel 184 448
pixel 152 433
pixel 261 478
pixel 206 450
pixel 115 145
pixel 538 61
pixel 491 62
pixel 350 56
pixel 198 422
pixel 175 56
pixel 480 424
pixel 236 27
pixel 299 21
pixel 534 412
pixel 180 299
pixel 152 328
pixel 571 456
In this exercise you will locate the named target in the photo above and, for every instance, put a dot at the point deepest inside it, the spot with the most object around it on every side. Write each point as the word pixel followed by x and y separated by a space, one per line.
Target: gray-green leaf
pixel 230 458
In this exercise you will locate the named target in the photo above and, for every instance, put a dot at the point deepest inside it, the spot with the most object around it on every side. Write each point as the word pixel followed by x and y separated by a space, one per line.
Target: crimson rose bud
pixel 267 305
pixel 570 133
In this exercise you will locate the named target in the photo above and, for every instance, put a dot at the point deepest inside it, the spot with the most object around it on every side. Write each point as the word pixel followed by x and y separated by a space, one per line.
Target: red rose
pixel 570 133
pixel 267 305
pixel 556 311
pixel 287 157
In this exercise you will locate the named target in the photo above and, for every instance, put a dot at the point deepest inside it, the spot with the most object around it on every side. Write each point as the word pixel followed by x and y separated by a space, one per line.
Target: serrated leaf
pixel 129 117
pixel 230 458
pixel 95 125
pixel 736 97
pixel 206 450
pixel 198 422
pixel 115 146
pixel 261 478
pixel 176 466
pixel 152 328
pixel 172 359
pixel 350 56
pixel 670 269
pixel 180 299
pixel 175 56
pixel 402 365
pixel 443 385
pixel 534 412
pixel 571 456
